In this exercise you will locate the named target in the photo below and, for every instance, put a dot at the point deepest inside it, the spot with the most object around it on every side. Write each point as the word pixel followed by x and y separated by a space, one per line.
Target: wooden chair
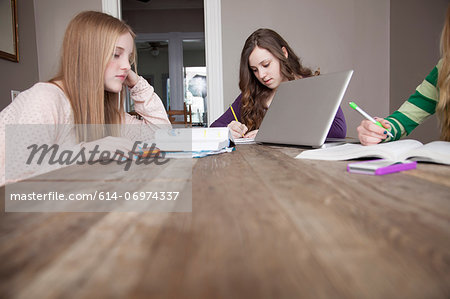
pixel 134 113
pixel 187 116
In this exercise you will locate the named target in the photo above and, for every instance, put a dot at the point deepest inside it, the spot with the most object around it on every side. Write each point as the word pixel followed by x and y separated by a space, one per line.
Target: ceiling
pixel 161 4
pixel 188 45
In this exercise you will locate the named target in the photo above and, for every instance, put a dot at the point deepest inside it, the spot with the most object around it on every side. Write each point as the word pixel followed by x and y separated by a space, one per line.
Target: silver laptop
pixel 302 111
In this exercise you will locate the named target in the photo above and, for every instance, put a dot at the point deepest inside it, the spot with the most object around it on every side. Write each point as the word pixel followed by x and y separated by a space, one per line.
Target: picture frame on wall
pixel 9 39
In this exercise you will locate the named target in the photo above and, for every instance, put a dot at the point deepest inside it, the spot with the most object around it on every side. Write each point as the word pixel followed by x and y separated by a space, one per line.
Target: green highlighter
pixel 354 106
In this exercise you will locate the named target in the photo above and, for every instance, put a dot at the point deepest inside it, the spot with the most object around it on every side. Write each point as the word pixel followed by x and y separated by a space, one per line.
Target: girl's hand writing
pixel 251 134
pixel 237 129
pixel 369 133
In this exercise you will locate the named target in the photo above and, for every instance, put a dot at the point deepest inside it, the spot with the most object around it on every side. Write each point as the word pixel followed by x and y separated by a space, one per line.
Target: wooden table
pixel 263 225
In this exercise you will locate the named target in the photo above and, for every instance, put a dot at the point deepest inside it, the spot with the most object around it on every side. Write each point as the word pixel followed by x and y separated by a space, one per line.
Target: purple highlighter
pixel 380 166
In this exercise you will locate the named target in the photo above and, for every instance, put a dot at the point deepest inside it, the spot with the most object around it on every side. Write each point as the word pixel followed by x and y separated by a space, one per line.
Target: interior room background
pixel 391 45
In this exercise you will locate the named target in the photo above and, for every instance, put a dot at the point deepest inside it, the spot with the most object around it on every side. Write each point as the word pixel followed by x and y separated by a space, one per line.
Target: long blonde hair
pixel 443 106
pixel 88 46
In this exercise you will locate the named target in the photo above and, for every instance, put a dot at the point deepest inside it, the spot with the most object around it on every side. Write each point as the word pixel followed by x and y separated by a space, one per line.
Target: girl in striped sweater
pixel 431 96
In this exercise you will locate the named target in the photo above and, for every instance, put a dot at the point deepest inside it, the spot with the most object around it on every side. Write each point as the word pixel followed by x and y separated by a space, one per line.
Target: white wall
pixel 52 17
pixel 332 35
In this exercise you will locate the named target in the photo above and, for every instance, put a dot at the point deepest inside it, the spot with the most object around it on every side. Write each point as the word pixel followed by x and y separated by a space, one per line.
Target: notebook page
pixel 436 151
pixel 391 150
pixel 244 140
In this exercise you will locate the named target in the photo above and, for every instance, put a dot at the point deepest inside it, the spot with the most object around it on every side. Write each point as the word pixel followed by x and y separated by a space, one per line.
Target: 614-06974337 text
pixel 97 195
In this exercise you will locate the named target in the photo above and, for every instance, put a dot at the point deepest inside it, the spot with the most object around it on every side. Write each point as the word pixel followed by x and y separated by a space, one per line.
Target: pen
pixel 354 106
pixel 232 110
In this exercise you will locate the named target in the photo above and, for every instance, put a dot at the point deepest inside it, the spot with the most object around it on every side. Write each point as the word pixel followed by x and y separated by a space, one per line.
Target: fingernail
pixel 385 132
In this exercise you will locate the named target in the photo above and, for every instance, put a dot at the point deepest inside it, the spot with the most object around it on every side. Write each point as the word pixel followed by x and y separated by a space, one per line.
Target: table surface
pixel 263 225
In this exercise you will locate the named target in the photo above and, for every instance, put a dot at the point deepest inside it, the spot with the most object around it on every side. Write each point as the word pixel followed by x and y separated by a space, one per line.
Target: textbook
pixel 192 139
pixel 435 152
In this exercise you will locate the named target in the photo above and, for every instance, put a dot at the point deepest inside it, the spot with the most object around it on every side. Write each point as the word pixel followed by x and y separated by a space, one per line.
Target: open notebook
pixel 436 151
pixel 192 139
pixel 244 140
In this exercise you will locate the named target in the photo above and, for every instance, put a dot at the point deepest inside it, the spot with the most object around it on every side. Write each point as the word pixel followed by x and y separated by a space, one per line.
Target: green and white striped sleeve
pixel 417 108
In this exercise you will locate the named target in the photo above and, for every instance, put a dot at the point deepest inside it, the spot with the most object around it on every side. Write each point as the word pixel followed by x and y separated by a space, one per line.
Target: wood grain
pixel 263 225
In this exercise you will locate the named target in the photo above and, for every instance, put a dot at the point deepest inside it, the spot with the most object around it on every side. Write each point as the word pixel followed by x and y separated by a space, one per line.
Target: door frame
pixel 213 51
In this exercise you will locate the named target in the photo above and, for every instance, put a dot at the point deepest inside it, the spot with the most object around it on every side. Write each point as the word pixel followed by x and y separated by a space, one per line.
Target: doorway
pixel 170 43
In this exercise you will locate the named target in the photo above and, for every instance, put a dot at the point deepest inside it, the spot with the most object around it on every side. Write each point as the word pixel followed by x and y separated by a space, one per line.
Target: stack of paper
pixel 193 142
pixel 244 140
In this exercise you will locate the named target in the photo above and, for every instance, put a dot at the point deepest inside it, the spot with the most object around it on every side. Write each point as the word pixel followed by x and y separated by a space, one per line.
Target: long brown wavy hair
pixel 254 93
pixel 88 46
pixel 443 106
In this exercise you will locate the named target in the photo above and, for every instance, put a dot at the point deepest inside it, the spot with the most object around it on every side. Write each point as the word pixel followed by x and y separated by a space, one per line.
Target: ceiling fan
pixel 154 47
